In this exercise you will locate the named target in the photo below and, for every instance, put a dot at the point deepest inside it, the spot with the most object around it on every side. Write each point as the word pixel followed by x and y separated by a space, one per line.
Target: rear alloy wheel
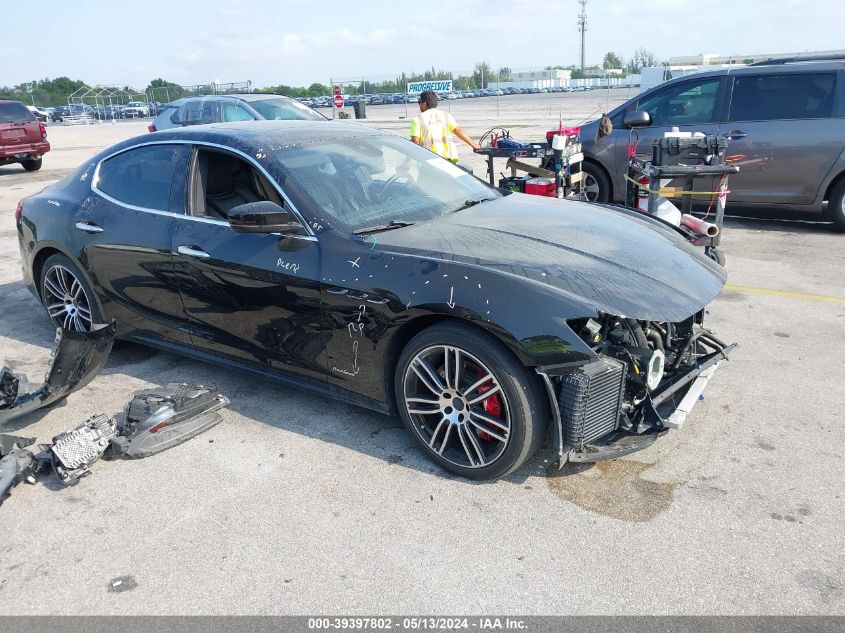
pixel 473 408
pixel 836 206
pixel 66 295
pixel 34 164
pixel 596 185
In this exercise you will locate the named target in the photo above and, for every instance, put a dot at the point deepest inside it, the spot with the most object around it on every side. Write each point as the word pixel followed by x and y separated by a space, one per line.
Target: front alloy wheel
pixel 470 404
pixel 66 300
pixel 457 406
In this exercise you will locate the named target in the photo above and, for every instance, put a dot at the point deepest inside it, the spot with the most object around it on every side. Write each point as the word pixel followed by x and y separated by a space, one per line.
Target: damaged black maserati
pixel 353 263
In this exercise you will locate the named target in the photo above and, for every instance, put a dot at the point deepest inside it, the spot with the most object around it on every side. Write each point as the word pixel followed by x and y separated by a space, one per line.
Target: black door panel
pixel 252 297
pixel 127 247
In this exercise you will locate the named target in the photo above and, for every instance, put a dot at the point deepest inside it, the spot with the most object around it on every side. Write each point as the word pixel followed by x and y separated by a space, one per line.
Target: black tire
pixel 34 164
pixel 522 401
pixel 83 297
pixel 836 206
pixel 594 175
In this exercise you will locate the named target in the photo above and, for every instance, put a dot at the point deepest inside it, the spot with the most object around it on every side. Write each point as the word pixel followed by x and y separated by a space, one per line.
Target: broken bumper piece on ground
pixel 76 360
pixel 16 463
pixel 159 419
pixel 73 452
pixel 152 422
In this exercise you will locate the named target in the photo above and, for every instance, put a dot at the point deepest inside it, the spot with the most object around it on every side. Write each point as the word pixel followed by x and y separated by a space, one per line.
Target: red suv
pixel 23 139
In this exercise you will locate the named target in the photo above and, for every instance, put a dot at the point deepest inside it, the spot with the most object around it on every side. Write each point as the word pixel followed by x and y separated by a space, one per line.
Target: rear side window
pixel 15 112
pixel 141 177
pixel 787 96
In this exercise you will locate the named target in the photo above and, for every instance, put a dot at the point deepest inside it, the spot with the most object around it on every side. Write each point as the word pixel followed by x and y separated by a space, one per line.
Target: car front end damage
pixel 643 380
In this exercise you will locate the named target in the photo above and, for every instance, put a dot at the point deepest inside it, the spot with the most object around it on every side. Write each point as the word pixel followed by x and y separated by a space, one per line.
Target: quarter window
pixel 787 96
pixel 141 177
pixel 687 103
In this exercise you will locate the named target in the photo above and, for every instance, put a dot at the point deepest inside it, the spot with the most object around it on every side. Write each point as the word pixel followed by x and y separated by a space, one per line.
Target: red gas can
pixel 540 187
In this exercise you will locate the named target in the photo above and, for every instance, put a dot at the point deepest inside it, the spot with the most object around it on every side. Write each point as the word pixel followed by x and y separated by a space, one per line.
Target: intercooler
pixel 591 400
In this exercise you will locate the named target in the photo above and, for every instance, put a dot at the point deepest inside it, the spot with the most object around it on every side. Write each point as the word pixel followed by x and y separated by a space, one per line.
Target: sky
pixel 298 43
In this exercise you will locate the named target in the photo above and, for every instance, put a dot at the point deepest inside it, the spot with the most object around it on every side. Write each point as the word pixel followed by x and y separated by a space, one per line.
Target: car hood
pixel 607 259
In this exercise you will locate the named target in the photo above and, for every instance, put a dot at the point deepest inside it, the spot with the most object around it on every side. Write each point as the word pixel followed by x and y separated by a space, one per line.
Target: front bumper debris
pixel 159 419
pixel 16 463
pixel 152 422
pixel 73 452
pixel 76 360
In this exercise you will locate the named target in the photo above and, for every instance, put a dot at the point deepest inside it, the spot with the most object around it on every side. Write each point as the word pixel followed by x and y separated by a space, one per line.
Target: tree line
pixel 54 92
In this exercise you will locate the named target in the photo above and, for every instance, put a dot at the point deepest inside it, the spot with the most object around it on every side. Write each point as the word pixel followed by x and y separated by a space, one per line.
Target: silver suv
pixel 784 121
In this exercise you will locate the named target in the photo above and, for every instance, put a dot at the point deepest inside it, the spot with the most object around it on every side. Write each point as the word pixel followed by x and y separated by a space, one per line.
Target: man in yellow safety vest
pixel 433 129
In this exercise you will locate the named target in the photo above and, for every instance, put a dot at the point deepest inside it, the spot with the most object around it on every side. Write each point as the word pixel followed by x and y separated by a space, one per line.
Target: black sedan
pixel 353 263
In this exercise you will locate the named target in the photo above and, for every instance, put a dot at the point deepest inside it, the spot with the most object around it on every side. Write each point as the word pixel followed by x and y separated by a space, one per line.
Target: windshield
pixel 14 112
pixel 277 109
pixel 369 181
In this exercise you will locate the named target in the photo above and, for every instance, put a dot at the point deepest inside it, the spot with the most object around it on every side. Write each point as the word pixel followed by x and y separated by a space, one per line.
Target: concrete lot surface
pixel 294 505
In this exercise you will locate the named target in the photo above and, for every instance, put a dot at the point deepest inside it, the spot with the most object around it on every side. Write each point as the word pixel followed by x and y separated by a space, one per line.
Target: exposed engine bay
pixel 645 378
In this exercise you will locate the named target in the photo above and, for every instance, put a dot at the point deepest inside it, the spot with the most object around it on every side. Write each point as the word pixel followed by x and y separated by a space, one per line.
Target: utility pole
pixel 582 28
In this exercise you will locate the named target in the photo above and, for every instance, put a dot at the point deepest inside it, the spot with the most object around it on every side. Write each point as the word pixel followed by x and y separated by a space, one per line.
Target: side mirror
pixel 263 217
pixel 637 118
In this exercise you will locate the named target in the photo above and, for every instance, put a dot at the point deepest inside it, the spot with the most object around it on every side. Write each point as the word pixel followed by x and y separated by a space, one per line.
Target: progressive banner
pixel 417 87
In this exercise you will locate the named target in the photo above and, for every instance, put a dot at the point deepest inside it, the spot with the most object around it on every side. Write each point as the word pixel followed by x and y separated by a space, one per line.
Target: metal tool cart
pixel 684 159
pixel 567 162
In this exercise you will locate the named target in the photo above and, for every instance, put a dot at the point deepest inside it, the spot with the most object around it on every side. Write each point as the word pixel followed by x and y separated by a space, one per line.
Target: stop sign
pixel 338 101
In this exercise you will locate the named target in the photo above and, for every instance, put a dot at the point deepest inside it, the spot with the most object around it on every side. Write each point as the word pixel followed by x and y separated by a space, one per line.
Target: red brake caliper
pixel 492 405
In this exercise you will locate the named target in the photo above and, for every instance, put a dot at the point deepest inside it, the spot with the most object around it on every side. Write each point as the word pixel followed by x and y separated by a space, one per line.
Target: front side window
pixel 787 96
pixel 365 181
pixel 282 109
pixel 222 181
pixel 141 177
pixel 687 103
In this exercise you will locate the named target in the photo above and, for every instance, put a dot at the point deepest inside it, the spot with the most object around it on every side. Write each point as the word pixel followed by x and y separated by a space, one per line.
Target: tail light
pixel 18 211
pixel 43 129
pixel 151 128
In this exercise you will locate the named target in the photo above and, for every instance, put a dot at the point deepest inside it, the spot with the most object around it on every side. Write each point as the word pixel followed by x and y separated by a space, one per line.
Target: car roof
pixel 254 136
pixel 788 67
pixel 259 96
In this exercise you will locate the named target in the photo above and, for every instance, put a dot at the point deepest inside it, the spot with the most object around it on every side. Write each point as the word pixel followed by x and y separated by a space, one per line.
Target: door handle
pixel 193 252
pixel 735 134
pixel 89 227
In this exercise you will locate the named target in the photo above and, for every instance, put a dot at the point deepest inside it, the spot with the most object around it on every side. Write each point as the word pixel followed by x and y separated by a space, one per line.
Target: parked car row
pixel 106 111
pixel 400 97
